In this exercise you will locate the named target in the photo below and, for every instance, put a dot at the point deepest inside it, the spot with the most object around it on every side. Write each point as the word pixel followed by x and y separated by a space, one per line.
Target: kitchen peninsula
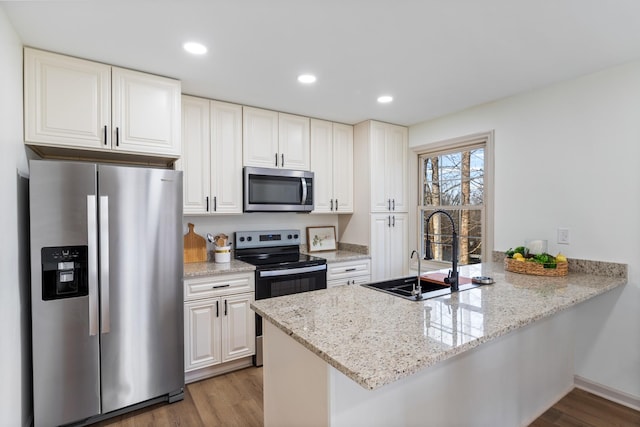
pixel 498 354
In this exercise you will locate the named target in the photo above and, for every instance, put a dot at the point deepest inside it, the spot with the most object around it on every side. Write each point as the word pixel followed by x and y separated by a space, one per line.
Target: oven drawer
pixel 218 285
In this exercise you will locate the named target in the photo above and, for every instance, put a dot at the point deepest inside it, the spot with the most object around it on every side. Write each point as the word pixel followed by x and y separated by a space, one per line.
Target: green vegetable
pixel 510 253
pixel 548 261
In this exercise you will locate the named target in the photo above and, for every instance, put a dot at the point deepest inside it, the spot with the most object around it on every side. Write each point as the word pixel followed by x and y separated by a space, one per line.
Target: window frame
pixel 463 143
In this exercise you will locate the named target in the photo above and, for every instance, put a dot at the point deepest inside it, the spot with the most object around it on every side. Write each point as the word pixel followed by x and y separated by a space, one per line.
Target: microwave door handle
pixel 304 191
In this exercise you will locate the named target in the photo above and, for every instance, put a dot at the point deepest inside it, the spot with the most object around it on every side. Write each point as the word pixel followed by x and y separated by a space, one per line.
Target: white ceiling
pixel 433 56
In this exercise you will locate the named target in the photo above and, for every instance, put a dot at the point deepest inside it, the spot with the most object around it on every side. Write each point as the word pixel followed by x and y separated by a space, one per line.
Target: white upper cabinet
pixel 212 158
pixel 293 141
pixel 275 140
pixel 260 137
pixel 226 158
pixel 343 167
pixel 196 161
pixel 75 103
pixel 146 113
pixel 332 165
pixel 67 101
pixel 388 171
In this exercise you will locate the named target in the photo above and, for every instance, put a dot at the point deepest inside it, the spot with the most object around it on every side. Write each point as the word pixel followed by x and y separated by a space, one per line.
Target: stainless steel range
pixel 280 268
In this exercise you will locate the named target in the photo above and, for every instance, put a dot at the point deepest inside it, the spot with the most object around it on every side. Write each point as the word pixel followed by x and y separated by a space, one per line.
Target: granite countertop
pixel 340 256
pixel 197 269
pixel 375 338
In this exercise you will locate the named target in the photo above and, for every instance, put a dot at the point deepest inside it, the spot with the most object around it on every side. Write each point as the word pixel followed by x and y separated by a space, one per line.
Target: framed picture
pixel 321 238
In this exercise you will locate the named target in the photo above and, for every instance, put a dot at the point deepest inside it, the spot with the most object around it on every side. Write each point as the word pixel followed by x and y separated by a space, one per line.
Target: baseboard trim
pixel 608 393
pixel 212 371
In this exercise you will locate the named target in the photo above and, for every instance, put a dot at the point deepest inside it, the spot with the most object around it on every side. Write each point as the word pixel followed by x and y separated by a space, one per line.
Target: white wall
pixel 568 156
pixel 15 363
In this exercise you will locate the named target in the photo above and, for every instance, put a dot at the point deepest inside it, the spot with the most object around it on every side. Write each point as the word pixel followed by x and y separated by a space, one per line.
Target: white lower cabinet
pixel 354 272
pixel 389 243
pixel 219 323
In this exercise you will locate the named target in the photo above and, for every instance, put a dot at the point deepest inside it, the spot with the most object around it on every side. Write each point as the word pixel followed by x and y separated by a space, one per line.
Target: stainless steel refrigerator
pixel 106 289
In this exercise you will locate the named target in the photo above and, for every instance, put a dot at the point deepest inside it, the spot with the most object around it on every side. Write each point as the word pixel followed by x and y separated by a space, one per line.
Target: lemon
pixel 561 258
pixel 520 259
pixel 518 255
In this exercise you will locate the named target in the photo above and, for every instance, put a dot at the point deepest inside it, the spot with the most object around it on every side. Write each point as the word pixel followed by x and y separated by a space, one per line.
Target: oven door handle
pixel 288 271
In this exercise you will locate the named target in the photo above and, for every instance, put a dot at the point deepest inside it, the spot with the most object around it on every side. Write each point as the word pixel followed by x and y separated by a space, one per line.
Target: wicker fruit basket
pixel 536 269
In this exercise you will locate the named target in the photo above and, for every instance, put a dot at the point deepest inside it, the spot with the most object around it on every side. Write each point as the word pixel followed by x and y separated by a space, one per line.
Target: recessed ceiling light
pixel 195 48
pixel 306 78
pixel 384 99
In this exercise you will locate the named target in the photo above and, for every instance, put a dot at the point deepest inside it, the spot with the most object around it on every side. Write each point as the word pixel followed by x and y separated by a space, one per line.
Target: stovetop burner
pixel 273 249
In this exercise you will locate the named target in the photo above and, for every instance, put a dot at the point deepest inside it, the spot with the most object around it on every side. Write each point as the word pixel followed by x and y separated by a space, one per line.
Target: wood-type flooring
pixel 235 399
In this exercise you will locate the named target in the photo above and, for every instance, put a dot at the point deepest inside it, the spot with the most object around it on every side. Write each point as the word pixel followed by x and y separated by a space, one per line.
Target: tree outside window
pixel 455 182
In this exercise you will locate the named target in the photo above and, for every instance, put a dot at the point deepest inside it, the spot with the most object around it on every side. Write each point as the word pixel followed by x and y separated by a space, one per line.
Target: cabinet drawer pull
pixel 220 286
pixel 350 269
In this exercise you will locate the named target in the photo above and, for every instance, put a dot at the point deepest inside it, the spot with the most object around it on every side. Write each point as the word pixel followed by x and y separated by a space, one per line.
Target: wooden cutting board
pixel 439 278
pixel 195 247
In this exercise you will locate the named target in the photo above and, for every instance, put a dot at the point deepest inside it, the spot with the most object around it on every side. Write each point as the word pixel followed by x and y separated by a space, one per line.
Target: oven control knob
pixel 289 236
pixel 242 239
pixel 249 239
pixel 295 236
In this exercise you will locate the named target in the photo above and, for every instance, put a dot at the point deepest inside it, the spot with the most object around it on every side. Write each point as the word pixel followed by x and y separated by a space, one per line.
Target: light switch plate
pixel 563 236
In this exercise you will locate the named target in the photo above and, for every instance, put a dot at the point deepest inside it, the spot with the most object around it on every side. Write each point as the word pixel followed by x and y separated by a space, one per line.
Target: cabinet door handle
pixel 331 201
pixel 105 134
pixel 389 221
pixel 388 204
pixel 225 307
pixel 217 308
pixel 336 205
pixel 117 137
pixel 215 203
pixel 394 204
pixel 282 162
pixel 276 159
pixel 394 221
pixel 350 269
pixel 220 286
pixel 207 199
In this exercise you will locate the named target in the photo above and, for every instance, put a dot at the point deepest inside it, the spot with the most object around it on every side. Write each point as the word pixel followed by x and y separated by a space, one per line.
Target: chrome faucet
pixel 452 279
pixel 417 287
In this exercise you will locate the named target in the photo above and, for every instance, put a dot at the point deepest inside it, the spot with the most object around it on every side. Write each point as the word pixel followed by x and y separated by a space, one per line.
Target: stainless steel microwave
pixel 277 190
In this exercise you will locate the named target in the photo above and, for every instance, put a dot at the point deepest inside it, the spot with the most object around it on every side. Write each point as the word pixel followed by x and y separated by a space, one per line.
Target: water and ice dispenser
pixel 64 272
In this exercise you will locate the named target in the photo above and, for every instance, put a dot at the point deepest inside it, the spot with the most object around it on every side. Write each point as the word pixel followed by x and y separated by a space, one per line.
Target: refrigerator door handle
pixel 92 243
pixel 105 318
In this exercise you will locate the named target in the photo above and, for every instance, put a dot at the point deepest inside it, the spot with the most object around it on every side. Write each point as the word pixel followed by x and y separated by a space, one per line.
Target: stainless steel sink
pixel 403 286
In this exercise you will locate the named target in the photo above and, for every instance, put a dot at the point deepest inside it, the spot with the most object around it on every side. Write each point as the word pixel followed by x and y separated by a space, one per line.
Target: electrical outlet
pixel 563 236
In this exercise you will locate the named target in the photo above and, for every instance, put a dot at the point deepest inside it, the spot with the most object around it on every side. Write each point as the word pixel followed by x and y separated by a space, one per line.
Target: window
pixel 454 179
